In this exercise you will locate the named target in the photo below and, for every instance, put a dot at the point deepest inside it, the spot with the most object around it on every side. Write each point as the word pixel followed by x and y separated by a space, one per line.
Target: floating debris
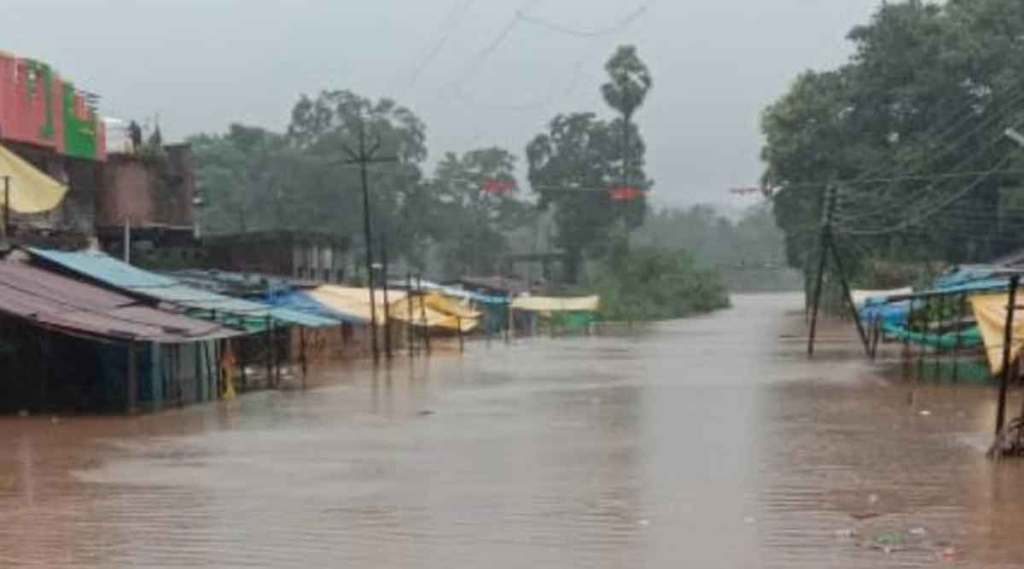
pixel 889 542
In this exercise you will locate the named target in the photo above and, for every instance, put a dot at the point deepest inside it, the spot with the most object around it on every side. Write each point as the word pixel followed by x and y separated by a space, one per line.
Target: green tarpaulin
pixel 970 338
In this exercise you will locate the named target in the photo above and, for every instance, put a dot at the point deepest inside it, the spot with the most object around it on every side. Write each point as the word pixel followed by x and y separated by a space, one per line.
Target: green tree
pixel 575 165
pixel 627 88
pixel 249 179
pixel 927 92
pixel 322 128
pixel 478 196
pixel 572 168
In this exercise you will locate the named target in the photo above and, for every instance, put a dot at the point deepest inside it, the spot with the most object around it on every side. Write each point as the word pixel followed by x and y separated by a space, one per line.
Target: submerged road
pixel 709 442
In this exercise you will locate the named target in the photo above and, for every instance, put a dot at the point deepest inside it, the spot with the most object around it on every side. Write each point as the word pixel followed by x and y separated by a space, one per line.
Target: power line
pixel 566 30
pixel 915 195
pixel 970 111
pixel 1007 109
pixel 543 102
pixel 935 209
pixel 447 27
pixel 906 178
pixel 481 57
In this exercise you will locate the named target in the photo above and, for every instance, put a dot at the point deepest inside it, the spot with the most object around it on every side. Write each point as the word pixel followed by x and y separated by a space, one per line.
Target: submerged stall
pixel 69 345
pixel 573 314
pixel 262 354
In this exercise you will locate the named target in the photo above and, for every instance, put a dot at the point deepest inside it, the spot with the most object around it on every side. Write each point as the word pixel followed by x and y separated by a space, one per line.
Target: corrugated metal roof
pixel 65 303
pixel 200 303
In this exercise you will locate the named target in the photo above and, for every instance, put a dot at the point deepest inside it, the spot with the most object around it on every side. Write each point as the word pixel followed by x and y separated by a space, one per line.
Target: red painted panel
pixel 32 106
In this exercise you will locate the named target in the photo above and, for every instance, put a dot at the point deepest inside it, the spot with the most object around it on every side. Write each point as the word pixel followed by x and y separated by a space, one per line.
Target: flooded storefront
pixel 710 442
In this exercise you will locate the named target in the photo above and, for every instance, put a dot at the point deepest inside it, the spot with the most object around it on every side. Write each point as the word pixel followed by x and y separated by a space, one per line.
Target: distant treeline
pixel 749 253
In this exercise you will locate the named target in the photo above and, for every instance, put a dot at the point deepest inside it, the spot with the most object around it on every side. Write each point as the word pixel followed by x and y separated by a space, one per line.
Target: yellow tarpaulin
pixel 31 190
pixel 990 312
pixel 552 304
pixel 440 311
pixel 428 305
pixel 355 301
pixel 451 306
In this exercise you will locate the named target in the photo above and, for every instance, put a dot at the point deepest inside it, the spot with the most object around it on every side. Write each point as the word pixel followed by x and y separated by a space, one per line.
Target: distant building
pixel 152 194
pixel 311 256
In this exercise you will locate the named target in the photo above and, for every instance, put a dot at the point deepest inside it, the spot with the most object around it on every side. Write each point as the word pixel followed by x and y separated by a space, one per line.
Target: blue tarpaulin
pixel 299 301
pixel 886 313
pixel 961 280
pixel 277 292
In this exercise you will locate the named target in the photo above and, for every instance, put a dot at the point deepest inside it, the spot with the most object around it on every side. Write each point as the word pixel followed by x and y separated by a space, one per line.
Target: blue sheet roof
pixel 302 302
pixel 199 303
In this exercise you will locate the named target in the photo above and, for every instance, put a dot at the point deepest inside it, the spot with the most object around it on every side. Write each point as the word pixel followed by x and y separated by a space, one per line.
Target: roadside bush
pixel 645 283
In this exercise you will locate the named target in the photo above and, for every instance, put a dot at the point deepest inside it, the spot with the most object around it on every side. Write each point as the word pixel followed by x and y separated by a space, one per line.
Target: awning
pixel 447 305
pixel 862 297
pixel 245 314
pixel 553 304
pixel 355 301
pixel 435 311
pixel 31 191
pixel 66 304
pixel 454 292
pixel 301 301
pixel 990 312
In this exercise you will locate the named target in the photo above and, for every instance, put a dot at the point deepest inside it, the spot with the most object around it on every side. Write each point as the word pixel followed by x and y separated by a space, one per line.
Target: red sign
pixel 625 193
pixel 499 187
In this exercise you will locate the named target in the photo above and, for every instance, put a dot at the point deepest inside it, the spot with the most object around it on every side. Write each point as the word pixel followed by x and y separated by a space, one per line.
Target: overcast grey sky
pixel 474 72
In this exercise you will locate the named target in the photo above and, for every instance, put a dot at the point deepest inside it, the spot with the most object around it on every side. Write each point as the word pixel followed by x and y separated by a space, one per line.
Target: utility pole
pixel 848 296
pixel 826 235
pixel 387 301
pixel 127 241
pixel 1004 382
pixel 364 157
pixel 6 229
pixel 828 246
pixel 408 304
pixel 423 313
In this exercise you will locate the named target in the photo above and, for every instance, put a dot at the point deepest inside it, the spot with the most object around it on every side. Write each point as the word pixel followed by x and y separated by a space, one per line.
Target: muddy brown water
pixel 710 442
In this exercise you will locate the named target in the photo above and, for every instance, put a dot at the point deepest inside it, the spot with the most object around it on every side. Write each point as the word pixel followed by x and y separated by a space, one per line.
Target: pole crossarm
pixel 363 157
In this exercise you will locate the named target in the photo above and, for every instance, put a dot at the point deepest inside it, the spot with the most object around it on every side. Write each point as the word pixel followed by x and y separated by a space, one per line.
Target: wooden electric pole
pixel 826 235
pixel 363 157
pixel 828 247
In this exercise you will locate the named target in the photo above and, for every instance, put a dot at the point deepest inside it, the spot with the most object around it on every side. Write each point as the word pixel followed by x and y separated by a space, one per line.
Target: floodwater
pixel 710 442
